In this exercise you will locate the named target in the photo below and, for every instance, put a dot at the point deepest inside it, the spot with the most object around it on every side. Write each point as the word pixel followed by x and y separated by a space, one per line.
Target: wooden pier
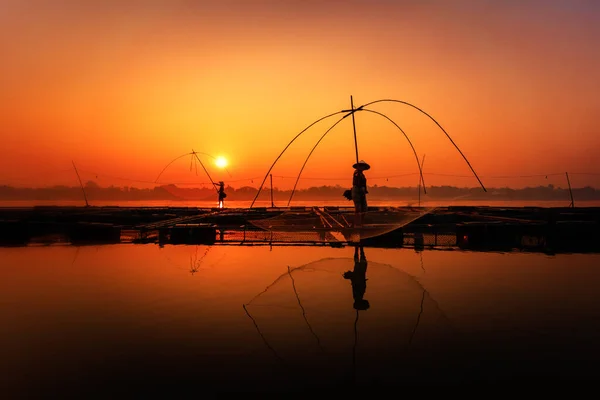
pixel 549 230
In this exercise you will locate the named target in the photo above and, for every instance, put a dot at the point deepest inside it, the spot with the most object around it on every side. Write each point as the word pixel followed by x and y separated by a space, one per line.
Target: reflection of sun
pixel 221 162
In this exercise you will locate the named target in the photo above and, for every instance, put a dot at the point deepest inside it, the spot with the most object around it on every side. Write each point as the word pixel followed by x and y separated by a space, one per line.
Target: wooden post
pixel 272 204
pixel 570 191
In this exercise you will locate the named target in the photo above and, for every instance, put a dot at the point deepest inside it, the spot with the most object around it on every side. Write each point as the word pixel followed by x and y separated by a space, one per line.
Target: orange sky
pixel 122 88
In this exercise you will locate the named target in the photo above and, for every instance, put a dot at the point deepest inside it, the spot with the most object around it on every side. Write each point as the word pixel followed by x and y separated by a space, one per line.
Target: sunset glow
pixel 221 162
pixel 119 89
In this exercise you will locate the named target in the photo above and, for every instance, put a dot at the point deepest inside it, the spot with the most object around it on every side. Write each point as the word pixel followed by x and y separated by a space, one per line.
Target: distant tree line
pixel 92 191
pixel 172 192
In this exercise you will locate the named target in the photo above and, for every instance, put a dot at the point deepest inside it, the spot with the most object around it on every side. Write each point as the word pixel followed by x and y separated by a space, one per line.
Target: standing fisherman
pixel 221 192
pixel 359 190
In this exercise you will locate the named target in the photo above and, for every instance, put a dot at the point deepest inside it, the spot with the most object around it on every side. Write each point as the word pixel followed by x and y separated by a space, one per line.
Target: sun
pixel 221 162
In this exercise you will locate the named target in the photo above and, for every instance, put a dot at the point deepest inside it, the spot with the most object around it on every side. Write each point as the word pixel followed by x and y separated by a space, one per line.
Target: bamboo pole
pixel 81 184
pixel 354 129
pixel 570 191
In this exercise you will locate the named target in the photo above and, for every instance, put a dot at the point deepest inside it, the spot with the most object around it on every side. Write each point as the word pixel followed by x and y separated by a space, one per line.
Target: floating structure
pixel 549 230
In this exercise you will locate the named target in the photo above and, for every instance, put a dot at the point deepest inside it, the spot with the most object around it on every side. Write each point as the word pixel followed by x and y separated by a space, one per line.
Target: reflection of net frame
pixel 335 225
pixel 421 325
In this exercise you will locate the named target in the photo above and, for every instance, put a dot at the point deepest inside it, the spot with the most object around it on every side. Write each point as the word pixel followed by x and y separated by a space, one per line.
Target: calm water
pixel 194 319
pixel 260 203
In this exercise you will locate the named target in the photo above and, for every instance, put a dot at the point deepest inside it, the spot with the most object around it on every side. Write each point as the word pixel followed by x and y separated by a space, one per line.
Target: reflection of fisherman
pixel 359 190
pixel 358 278
pixel 222 193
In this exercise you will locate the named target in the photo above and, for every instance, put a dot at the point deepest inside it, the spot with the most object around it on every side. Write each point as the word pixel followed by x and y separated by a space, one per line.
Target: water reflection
pixel 358 278
pixel 200 259
pixel 196 263
pixel 313 301
pixel 90 320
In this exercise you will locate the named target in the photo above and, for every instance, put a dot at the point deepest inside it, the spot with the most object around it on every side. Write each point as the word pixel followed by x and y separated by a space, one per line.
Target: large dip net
pixel 349 319
pixel 323 224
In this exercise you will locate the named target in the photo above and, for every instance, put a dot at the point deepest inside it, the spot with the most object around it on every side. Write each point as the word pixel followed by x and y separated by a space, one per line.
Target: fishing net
pixel 320 224
pixel 348 319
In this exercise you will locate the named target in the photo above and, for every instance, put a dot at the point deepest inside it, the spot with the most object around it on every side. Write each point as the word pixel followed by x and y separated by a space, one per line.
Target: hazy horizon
pixel 207 187
pixel 377 194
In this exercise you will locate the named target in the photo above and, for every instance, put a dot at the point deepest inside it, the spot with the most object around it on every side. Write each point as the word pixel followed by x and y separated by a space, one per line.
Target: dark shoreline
pixel 540 229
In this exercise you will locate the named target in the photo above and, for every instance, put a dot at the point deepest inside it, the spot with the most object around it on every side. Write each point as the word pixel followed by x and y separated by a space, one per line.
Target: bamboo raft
pixel 549 230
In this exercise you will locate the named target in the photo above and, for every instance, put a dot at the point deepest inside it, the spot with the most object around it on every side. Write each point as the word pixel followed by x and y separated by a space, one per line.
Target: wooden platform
pixel 473 228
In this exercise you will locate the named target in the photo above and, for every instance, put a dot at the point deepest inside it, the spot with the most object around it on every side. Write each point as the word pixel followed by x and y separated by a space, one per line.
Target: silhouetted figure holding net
pixel 222 193
pixel 358 278
pixel 359 191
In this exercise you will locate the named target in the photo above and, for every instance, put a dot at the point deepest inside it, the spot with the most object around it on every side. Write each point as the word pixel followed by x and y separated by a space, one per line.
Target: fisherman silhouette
pixel 221 192
pixel 359 191
pixel 358 279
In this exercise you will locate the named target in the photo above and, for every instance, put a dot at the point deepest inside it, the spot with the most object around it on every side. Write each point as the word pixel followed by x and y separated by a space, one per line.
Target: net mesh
pixel 329 316
pixel 338 225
